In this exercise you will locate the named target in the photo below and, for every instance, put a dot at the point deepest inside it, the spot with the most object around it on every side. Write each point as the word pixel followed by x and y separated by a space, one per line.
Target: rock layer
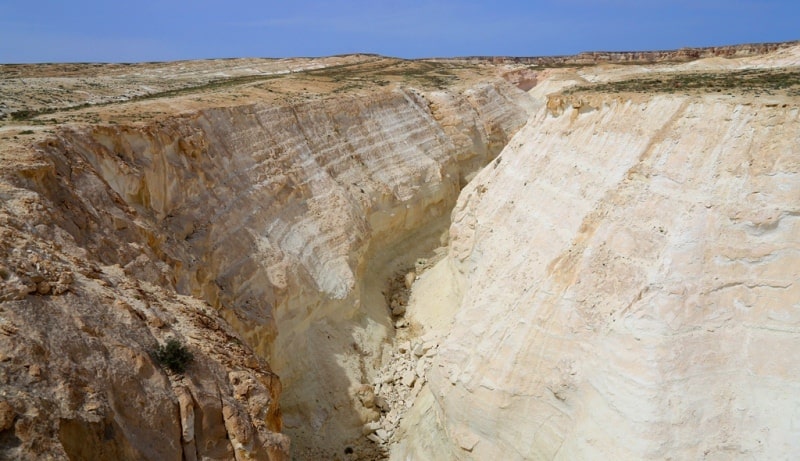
pixel 621 282
pixel 78 378
pixel 229 228
pixel 643 57
pixel 628 275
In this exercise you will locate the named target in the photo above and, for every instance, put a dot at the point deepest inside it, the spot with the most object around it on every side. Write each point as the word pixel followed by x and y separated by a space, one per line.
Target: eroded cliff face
pixel 644 57
pixel 620 283
pixel 250 232
pixel 627 288
pixel 78 331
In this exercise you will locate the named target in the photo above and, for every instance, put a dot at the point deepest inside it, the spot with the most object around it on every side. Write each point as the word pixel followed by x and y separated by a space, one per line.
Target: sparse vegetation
pixel 173 355
pixel 84 92
pixel 755 81
pixel 381 72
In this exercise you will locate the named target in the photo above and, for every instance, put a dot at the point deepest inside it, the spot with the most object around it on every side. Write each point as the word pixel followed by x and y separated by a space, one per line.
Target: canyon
pixel 374 258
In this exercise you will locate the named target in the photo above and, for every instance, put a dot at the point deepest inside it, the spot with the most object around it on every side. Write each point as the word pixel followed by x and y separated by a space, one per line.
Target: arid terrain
pixel 588 257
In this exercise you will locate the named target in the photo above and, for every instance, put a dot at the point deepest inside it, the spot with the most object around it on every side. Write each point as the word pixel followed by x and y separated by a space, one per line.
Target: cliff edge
pixel 626 277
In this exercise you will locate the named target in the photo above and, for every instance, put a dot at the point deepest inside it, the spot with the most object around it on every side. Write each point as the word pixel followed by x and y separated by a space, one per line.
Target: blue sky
pixel 148 30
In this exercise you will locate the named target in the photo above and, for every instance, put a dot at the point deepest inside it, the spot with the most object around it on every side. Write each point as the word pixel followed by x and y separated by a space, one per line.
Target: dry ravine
pixel 253 233
pixel 369 258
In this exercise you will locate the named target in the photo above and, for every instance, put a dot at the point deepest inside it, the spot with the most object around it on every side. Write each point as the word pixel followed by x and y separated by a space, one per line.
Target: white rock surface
pixel 621 284
pixel 628 281
pixel 285 216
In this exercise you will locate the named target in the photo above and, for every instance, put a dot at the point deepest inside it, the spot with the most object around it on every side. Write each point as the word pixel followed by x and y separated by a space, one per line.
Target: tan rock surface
pixel 262 218
pixel 628 278
pixel 618 282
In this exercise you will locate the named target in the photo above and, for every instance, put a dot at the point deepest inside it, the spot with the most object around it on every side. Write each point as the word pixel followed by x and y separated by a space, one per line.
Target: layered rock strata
pixel 627 281
pixel 642 57
pixel 78 378
pixel 621 282
pixel 247 233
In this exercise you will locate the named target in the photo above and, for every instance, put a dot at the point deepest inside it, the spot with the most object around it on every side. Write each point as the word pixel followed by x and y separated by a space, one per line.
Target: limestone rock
pixel 398 309
pixel 366 395
pixel 7 416
pixel 403 347
pixel 230 221
pixel 371 427
pixel 382 434
pixel 408 378
pixel 381 403
pixel 78 371
pixel 625 270
pixel 409 279
pixel 421 368
pixel 628 279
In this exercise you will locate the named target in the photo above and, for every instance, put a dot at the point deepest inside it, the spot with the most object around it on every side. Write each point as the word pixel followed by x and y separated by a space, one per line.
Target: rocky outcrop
pixel 620 282
pixel 397 385
pixel 77 371
pixel 589 58
pixel 628 282
pixel 244 232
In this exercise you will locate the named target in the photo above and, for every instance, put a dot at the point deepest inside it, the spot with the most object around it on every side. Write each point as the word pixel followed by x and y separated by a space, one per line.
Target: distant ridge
pixel 639 57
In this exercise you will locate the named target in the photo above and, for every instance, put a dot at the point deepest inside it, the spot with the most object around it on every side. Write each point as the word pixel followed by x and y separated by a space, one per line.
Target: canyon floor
pixel 589 257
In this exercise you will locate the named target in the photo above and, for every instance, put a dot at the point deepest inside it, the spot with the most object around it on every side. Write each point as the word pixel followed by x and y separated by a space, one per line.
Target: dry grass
pixel 749 81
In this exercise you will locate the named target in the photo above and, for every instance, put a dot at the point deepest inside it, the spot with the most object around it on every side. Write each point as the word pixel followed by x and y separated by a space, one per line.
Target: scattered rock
pixel 409 279
pixel 398 383
pixel 421 368
pixel 382 434
pixel 408 378
pixel 370 427
pixel 366 396
pixel 403 347
pixel 381 403
pixel 43 287
pixel 7 415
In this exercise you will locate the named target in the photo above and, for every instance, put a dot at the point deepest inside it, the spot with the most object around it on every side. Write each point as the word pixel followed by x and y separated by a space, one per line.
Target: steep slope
pixel 620 283
pixel 626 287
pixel 78 378
pixel 266 226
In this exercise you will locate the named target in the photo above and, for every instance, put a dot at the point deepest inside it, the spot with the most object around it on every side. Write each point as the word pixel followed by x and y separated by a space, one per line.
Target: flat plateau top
pixel 35 99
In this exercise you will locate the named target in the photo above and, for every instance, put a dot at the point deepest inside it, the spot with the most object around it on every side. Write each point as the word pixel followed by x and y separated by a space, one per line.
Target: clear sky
pixel 158 30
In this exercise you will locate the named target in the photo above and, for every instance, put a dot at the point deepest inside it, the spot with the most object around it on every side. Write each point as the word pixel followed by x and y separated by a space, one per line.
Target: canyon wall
pixel 589 58
pixel 626 287
pixel 78 375
pixel 260 224
pixel 619 283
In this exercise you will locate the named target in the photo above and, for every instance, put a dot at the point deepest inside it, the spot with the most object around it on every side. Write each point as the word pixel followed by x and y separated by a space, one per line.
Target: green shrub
pixel 173 355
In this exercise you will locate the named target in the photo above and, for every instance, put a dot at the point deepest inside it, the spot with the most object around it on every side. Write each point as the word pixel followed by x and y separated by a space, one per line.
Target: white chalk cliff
pixel 627 286
pixel 619 279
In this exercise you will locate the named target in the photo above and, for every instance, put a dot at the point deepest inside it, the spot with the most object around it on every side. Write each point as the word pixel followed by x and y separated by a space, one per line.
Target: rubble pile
pixel 397 384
